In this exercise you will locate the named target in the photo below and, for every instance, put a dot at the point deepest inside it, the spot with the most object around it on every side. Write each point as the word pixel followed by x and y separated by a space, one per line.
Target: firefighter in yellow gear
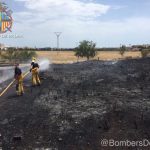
pixel 35 73
pixel 19 80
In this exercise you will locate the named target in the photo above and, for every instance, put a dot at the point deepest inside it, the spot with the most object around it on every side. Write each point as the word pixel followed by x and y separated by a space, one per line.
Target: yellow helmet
pixel 33 58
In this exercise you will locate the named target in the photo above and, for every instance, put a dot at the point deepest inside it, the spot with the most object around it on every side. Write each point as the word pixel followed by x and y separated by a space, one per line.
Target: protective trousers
pixel 35 77
pixel 19 86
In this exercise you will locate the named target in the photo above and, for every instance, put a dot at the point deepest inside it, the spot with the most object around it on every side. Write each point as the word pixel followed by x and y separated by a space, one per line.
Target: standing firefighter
pixel 19 79
pixel 35 73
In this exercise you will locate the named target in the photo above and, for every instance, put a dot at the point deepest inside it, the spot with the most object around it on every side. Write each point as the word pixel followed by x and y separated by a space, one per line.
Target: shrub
pixel 15 55
pixel 145 52
pixel 122 50
pixel 86 49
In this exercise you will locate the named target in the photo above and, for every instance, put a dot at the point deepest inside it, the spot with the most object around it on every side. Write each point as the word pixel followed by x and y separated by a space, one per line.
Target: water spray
pixel 8 72
pixel 44 64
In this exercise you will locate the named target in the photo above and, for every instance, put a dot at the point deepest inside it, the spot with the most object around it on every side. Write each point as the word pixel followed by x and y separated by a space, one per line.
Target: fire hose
pixel 5 90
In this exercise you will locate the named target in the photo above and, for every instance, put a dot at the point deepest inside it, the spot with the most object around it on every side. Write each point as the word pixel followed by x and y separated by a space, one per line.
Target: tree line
pixel 16 56
pixel 85 49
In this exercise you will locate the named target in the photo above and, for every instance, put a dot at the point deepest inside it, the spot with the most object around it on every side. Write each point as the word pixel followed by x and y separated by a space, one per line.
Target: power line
pixel 57 35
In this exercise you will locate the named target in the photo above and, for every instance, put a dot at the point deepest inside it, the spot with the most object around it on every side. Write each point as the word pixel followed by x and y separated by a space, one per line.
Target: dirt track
pixel 78 105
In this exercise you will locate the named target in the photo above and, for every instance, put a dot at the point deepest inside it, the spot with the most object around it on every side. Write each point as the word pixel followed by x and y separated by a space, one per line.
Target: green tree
pixel 86 49
pixel 9 55
pixel 26 55
pixel 1 7
pixel 14 55
pixel 122 50
pixel 0 55
pixel 145 52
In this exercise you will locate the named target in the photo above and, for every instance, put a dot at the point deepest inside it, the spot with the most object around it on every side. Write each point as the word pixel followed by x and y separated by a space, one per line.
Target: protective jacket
pixel 19 78
pixel 35 74
pixel 34 65
pixel 18 73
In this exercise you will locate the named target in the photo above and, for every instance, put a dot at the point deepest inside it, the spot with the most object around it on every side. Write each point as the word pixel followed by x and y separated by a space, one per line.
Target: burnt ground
pixel 79 104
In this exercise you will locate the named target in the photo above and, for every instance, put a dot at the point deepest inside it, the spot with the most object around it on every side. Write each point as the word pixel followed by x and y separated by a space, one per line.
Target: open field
pixel 68 57
pixel 64 57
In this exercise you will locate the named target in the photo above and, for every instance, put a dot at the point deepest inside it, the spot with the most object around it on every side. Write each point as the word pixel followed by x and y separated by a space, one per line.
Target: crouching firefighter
pixel 35 73
pixel 19 80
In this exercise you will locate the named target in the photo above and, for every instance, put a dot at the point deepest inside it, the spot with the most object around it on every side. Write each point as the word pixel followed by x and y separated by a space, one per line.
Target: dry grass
pixel 68 57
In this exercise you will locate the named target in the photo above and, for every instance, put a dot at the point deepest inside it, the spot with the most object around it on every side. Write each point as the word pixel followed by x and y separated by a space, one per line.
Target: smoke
pixel 44 64
pixel 110 62
pixel 7 73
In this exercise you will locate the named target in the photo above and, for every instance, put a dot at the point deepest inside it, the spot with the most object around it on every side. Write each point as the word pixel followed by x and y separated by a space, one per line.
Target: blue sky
pixel 109 23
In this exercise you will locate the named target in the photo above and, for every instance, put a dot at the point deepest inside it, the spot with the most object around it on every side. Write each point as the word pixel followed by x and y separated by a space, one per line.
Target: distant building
pixel 3 47
pixel 140 47
pixel 147 45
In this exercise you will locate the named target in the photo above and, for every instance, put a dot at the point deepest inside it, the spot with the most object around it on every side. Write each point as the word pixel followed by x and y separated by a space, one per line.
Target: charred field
pixel 78 105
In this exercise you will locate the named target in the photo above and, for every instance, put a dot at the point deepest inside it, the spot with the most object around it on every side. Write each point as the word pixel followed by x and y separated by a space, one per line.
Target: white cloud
pixel 65 8
pixel 109 33
pixel 77 20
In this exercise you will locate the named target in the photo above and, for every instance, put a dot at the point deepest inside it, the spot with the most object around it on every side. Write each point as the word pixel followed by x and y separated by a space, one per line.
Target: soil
pixel 78 105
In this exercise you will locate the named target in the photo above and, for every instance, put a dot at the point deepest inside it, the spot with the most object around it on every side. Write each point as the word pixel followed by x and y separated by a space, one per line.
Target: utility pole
pixel 57 35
